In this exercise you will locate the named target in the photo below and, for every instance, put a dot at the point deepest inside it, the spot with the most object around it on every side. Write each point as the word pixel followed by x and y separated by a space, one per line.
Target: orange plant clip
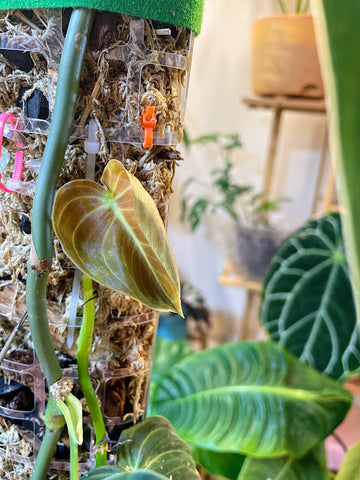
pixel 148 123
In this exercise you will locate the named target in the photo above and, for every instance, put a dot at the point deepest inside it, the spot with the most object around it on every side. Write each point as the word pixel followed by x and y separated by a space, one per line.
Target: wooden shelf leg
pixel 319 180
pixel 270 161
pixel 246 318
pixel 329 194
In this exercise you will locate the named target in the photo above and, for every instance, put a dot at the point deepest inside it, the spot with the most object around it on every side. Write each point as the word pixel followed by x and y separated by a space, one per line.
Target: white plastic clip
pixel 91 147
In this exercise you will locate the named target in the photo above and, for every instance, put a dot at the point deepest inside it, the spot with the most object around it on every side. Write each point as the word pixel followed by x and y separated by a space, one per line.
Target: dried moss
pixel 104 95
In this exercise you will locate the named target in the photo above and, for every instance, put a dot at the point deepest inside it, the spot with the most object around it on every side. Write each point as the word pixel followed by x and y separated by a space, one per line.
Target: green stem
pixel 46 452
pixel 74 460
pixel 61 125
pixel 53 157
pixel 84 343
pixel 298 6
pixel 307 6
pixel 36 307
pixel 63 116
pixel 283 6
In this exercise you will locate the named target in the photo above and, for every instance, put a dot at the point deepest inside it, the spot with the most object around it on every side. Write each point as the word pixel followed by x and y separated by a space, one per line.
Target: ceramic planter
pixel 255 247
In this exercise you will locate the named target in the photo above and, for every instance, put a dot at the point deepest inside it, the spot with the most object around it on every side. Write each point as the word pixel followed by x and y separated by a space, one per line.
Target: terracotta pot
pixel 284 57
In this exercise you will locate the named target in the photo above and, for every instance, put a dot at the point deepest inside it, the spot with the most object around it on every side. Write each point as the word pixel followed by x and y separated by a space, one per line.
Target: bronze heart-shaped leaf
pixel 115 235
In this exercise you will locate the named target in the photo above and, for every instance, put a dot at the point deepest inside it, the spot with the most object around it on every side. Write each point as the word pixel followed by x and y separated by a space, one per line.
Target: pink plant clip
pixel 19 156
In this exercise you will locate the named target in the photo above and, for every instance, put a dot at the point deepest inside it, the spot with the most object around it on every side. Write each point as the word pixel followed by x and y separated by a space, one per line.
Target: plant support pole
pixel 41 256
pixel 54 153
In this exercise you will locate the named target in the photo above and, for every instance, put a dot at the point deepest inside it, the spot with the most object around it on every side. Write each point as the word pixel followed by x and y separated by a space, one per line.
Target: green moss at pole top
pixel 187 13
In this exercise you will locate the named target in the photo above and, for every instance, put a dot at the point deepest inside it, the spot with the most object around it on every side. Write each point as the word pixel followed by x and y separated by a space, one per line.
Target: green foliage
pixel 230 141
pixel 167 354
pixel 224 464
pixel 308 305
pixel 149 450
pixel 115 473
pixel 301 6
pixel 54 419
pixel 71 409
pixel 310 467
pixel 115 235
pixel 154 445
pixel 339 54
pixel 350 468
pixel 223 194
pixel 250 397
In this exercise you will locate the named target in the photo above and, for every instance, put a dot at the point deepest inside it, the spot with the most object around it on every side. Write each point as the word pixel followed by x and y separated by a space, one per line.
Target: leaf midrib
pixel 283 392
pixel 112 203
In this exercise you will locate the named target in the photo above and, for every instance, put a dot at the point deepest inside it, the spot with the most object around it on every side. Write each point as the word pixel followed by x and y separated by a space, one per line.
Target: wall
pixel 220 78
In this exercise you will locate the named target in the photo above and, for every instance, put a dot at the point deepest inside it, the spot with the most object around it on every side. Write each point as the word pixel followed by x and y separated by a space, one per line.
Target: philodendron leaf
pixel 339 56
pixel 250 397
pixel 223 464
pixel 310 467
pixel 167 354
pixel 115 235
pixel 307 301
pixel 154 445
pixel 350 467
pixel 116 473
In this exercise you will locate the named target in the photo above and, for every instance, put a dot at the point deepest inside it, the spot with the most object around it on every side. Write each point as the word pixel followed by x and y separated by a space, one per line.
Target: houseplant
pixel 354 459
pixel 284 54
pixel 308 308
pixel 30 30
pixel 256 241
pixel 343 69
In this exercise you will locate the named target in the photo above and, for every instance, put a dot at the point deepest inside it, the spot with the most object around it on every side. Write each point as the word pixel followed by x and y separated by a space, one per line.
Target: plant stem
pixel 74 460
pixel 51 164
pixel 283 6
pixel 40 333
pixel 53 157
pixel 84 343
pixel 46 452
pixel 61 125
pixel 298 6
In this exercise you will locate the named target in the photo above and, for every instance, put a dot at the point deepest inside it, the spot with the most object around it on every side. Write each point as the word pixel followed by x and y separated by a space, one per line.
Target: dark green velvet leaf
pixel 337 28
pixel 116 473
pixel 308 304
pixel 154 445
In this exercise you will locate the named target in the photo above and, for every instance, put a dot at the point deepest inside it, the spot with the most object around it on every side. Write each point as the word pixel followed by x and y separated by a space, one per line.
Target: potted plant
pixel 284 54
pixel 88 106
pixel 256 241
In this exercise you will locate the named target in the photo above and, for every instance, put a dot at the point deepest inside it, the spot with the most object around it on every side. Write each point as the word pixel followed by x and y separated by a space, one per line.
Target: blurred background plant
pixel 240 202
pixel 300 6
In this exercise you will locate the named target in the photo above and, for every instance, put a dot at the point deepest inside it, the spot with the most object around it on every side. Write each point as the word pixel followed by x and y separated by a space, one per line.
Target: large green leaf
pixel 223 464
pixel 154 445
pixel 307 301
pixel 250 397
pixel 115 235
pixel 337 28
pixel 350 468
pixel 310 467
pixel 167 354
pixel 116 473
